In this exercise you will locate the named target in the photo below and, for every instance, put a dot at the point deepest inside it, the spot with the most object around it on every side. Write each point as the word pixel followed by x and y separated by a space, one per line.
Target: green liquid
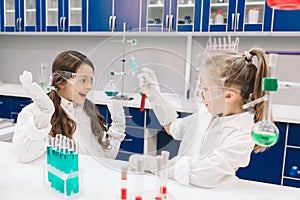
pixel 265 138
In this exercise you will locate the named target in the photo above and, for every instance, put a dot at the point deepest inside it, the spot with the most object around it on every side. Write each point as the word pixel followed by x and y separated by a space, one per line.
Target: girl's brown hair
pixel 238 71
pixel 71 61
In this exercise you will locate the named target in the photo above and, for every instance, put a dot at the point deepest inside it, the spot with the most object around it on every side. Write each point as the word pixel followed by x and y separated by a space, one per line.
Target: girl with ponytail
pixel 215 141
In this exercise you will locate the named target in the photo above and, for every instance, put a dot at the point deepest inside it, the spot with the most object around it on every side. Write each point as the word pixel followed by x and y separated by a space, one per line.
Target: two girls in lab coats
pixel 67 111
pixel 215 141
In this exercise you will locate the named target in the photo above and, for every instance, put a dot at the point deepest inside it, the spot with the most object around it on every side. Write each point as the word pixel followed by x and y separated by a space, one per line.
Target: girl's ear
pixel 61 86
pixel 230 96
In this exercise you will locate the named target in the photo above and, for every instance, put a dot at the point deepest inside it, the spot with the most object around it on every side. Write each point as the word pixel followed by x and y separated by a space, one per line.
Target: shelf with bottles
pixel 155 13
pixel 254 12
pixel 186 16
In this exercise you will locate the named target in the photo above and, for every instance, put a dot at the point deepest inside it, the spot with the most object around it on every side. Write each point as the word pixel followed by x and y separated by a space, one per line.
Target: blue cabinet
pixel 110 15
pixel 5 107
pixel 17 104
pixel 159 15
pixel 292 157
pixel 189 15
pixel 236 16
pixel 286 20
pixel 11 106
pixel 19 16
pixel 267 166
pixel 64 15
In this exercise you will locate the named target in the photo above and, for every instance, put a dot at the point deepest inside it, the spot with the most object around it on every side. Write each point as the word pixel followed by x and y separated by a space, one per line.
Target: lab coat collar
pixel 70 107
pixel 239 120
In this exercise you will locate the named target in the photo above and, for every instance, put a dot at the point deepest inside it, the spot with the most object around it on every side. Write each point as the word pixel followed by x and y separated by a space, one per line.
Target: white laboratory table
pixel 101 180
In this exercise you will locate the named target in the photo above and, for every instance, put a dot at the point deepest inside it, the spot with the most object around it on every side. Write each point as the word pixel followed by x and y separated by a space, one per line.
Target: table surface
pixel 101 180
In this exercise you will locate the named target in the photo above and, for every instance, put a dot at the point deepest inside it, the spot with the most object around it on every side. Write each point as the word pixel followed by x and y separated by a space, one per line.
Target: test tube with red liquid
pixel 139 180
pixel 143 100
pixel 164 174
pixel 124 183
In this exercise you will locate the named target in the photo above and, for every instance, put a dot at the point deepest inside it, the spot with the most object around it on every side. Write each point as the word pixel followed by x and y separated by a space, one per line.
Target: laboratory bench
pixel 101 179
pixel 145 135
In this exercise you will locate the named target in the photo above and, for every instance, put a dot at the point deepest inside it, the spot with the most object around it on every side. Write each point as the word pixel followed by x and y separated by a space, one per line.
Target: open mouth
pixel 82 95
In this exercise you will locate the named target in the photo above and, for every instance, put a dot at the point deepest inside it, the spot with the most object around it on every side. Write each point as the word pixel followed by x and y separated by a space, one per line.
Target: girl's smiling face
pixel 77 88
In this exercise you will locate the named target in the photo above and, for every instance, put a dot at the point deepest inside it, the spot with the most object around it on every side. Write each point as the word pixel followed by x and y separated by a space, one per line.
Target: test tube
pixel 124 183
pixel 49 143
pixel 143 99
pixel 164 174
pixel 75 168
pixel 159 162
pixel 139 180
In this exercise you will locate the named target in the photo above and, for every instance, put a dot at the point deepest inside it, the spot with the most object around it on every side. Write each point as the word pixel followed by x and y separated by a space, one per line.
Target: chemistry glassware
pixel 265 133
pixel 110 88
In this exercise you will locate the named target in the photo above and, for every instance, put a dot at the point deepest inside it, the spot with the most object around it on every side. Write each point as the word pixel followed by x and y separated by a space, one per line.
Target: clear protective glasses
pixel 213 92
pixel 79 78
pixel 209 93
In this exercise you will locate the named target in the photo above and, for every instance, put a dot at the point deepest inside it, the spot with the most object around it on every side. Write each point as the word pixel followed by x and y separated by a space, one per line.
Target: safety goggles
pixel 213 92
pixel 82 79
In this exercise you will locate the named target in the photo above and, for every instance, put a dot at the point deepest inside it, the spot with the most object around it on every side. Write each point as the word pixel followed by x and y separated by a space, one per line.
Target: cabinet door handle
pixel 128 116
pixel 64 23
pixel 167 21
pixel 232 21
pixel 22 105
pixel 17 23
pixel 237 21
pixel 128 140
pixel 171 22
pixel 109 22
pixel 20 24
pixel 60 23
pixel 114 23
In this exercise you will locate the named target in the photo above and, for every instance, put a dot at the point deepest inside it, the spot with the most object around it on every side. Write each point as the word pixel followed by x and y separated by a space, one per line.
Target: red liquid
pixel 163 189
pixel 123 193
pixel 143 102
pixel 138 198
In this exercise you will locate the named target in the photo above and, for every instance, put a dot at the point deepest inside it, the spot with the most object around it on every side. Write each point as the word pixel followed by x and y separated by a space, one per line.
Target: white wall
pixel 166 55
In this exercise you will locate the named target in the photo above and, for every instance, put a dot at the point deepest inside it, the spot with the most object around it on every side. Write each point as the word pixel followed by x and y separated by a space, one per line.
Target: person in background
pixel 215 141
pixel 67 111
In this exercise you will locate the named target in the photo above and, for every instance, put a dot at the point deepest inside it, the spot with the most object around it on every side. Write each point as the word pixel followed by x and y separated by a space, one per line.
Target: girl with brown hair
pixel 67 111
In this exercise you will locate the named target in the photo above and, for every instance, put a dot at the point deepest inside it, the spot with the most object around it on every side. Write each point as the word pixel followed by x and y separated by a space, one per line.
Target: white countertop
pixel 101 180
pixel 281 113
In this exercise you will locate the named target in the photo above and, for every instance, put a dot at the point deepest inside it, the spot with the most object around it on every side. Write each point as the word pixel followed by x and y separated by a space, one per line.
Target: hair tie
pixel 248 56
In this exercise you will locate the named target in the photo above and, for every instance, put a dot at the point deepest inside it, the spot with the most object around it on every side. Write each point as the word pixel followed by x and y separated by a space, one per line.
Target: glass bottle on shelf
pixel 254 11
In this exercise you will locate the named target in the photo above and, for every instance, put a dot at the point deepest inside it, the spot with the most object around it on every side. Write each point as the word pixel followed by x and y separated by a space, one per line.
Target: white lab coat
pixel 214 162
pixel 29 141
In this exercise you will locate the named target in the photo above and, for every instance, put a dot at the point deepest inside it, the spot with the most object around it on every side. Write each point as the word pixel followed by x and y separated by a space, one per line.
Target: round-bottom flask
pixel 265 133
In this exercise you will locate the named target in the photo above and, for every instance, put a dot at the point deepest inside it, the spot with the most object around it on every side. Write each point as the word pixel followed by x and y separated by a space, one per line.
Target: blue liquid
pixel 111 93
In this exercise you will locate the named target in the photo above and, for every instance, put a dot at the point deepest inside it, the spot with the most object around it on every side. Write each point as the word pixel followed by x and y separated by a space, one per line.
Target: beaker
pixel 110 88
